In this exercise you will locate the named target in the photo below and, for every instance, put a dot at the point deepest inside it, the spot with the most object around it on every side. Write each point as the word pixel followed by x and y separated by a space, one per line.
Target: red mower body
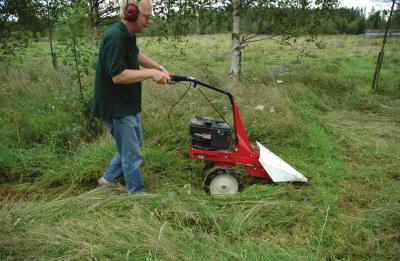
pixel 242 153
pixel 220 175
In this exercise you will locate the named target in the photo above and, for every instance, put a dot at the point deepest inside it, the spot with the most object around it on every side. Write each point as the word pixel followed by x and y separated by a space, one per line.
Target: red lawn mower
pixel 211 142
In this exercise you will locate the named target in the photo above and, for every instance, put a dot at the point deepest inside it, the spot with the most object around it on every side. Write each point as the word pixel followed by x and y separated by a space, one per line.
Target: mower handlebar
pixel 182 78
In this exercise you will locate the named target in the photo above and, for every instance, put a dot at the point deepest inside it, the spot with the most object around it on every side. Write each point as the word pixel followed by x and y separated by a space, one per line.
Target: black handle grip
pixel 180 78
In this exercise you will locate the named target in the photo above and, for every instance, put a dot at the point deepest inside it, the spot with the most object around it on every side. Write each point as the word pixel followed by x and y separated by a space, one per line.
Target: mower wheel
pixel 223 181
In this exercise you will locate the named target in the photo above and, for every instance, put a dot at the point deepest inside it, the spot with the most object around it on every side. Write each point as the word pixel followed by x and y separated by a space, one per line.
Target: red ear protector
pixel 131 12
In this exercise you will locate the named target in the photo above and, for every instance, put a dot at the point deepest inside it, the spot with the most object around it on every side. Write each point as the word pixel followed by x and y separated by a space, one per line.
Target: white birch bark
pixel 197 24
pixel 235 44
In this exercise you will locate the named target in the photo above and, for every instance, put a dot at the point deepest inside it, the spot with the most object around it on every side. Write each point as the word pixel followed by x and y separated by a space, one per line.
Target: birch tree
pixel 281 21
pixel 236 46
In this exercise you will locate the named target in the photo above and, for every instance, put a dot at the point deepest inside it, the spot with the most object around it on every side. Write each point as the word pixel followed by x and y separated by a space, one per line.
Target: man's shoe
pixel 103 182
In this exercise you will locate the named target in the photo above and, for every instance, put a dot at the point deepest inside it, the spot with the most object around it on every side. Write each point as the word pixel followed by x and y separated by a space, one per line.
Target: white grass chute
pixel 278 169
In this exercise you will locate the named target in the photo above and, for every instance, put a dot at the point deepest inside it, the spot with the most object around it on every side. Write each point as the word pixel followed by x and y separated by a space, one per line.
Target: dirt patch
pixel 396 177
pixel 14 193
pixel 88 181
pixel 55 184
pixel 5 176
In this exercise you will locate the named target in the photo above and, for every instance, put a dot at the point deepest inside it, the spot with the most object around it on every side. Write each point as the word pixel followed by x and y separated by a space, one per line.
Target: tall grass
pixel 316 113
pixel 172 225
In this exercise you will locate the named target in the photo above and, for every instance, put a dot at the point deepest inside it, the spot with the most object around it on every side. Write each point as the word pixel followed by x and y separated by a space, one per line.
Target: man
pixel 117 91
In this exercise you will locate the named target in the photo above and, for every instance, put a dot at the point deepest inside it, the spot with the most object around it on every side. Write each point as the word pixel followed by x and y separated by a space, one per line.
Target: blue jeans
pixel 127 132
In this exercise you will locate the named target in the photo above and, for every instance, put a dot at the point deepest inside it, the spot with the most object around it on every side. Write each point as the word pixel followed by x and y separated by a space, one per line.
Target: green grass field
pixel 319 115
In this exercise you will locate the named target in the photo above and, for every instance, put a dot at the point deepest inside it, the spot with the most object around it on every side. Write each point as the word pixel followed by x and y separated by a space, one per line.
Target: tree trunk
pixel 49 27
pixel 78 71
pixel 95 16
pixel 197 24
pixel 236 46
pixel 375 81
pixel 53 54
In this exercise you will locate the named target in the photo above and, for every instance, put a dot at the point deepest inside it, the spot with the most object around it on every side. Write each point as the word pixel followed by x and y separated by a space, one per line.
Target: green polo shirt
pixel 118 51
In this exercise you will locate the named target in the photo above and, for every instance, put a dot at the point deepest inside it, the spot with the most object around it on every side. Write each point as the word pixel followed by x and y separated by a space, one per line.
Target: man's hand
pixel 161 77
pixel 171 74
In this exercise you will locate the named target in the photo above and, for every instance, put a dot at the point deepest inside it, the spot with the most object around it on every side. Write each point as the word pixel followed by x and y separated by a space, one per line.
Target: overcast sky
pixel 377 4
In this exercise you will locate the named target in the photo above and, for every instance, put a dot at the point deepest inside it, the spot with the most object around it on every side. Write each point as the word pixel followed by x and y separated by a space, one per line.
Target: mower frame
pixel 240 153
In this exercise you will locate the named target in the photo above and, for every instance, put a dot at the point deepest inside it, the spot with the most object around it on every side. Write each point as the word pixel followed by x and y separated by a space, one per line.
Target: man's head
pixel 127 14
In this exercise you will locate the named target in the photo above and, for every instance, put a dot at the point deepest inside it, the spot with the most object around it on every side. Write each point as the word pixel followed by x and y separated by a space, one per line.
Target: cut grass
pixel 173 224
pixel 321 119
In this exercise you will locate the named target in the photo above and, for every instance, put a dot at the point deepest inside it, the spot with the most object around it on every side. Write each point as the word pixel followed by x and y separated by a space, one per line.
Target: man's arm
pixel 131 76
pixel 154 70
pixel 149 63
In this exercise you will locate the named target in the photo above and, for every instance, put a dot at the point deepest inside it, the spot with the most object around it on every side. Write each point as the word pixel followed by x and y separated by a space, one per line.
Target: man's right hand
pixel 161 77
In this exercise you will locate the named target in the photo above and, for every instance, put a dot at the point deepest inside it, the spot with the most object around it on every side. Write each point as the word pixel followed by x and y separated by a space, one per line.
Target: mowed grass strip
pixel 317 114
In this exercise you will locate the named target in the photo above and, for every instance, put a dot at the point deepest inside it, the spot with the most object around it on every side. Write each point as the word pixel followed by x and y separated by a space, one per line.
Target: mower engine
pixel 209 134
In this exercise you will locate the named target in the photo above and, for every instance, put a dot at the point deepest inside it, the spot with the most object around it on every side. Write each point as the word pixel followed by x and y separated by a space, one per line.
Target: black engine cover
pixel 209 134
